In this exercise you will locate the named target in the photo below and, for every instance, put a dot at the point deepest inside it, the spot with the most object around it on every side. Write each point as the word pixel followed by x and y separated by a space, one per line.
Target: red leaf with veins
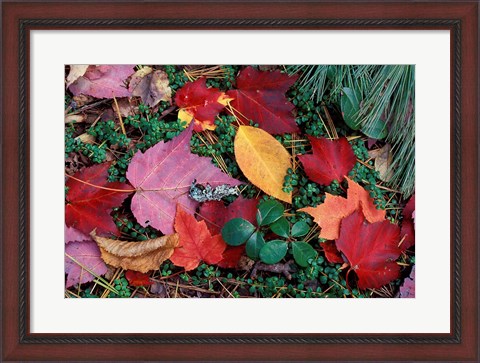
pixel 196 244
pixel 163 176
pixel 104 81
pixel 136 278
pixel 260 96
pixel 80 258
pixel 199 103
pixel 89 206
pixel 331 160
pixel 371 249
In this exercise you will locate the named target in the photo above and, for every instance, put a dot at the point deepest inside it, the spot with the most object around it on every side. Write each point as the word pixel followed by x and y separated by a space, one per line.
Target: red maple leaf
pixel 331 252
pixel 196 244
pixel 200 104
pixel 331 160
pixel 136 278
pixel 371 249
pixel 163 175
pixel 408 226
pixel 260 96
pixel 91 198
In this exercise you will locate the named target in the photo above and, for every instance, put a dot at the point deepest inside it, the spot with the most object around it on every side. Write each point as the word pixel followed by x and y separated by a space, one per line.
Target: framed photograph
pixel 299 185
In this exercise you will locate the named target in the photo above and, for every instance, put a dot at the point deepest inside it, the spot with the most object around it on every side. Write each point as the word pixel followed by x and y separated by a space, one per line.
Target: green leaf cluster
pixel 270 218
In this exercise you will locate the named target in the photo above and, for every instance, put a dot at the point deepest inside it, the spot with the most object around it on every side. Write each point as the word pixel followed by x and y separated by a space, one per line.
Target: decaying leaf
pixel 383 160
pixel 75 118
pixel 103 81
pixel 76 70
pixel 137 256
pixel 86 138
pixel 152 86
pixel 263 160
pixel 329 214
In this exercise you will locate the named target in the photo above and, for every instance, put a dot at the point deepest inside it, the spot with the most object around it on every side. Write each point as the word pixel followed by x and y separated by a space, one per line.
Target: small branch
pixel 284 268
pixel 119 116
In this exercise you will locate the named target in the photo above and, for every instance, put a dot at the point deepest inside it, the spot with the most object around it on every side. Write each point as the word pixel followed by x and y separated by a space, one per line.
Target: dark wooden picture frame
pixel 460 18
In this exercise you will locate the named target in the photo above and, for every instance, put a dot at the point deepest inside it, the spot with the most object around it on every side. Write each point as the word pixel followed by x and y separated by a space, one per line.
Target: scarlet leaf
pixel 163 176
pixel 331 160
pixel 136 278
pixel 104 81
pixel 199 103
pixel 331 252
pixel 371 249
pixel 260 96
pixel 196 243
pixel 231 256
pixel 215 214
pixel 89 206
pixel 81 258
pixel 329 214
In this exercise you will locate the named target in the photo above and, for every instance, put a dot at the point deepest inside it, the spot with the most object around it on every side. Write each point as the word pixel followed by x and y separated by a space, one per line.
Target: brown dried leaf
pixel 151 86
pixel 126 107
pixel 383 160
pixel 86 138
pixel 82 100
pixel 74 119
pixel 137 256
pixel 76 70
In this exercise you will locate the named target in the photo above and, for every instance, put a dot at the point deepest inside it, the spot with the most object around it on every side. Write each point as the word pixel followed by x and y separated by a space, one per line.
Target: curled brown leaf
pixel 137 256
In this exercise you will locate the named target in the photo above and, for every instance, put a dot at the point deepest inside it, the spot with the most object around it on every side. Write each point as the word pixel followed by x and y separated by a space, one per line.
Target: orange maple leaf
pixel 196 243
pixel 329 214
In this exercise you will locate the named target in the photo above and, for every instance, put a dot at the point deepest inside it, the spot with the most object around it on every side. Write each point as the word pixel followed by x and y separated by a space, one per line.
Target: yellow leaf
pixel 137 256
pixel 263 160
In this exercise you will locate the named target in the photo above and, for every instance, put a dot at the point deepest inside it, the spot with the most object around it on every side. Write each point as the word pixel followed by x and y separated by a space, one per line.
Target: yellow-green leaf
pixel 263 160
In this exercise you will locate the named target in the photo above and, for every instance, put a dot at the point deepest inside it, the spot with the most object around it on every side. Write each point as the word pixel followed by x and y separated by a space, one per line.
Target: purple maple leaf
pixel 104 81
pixel 163 176
pixel 80 258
